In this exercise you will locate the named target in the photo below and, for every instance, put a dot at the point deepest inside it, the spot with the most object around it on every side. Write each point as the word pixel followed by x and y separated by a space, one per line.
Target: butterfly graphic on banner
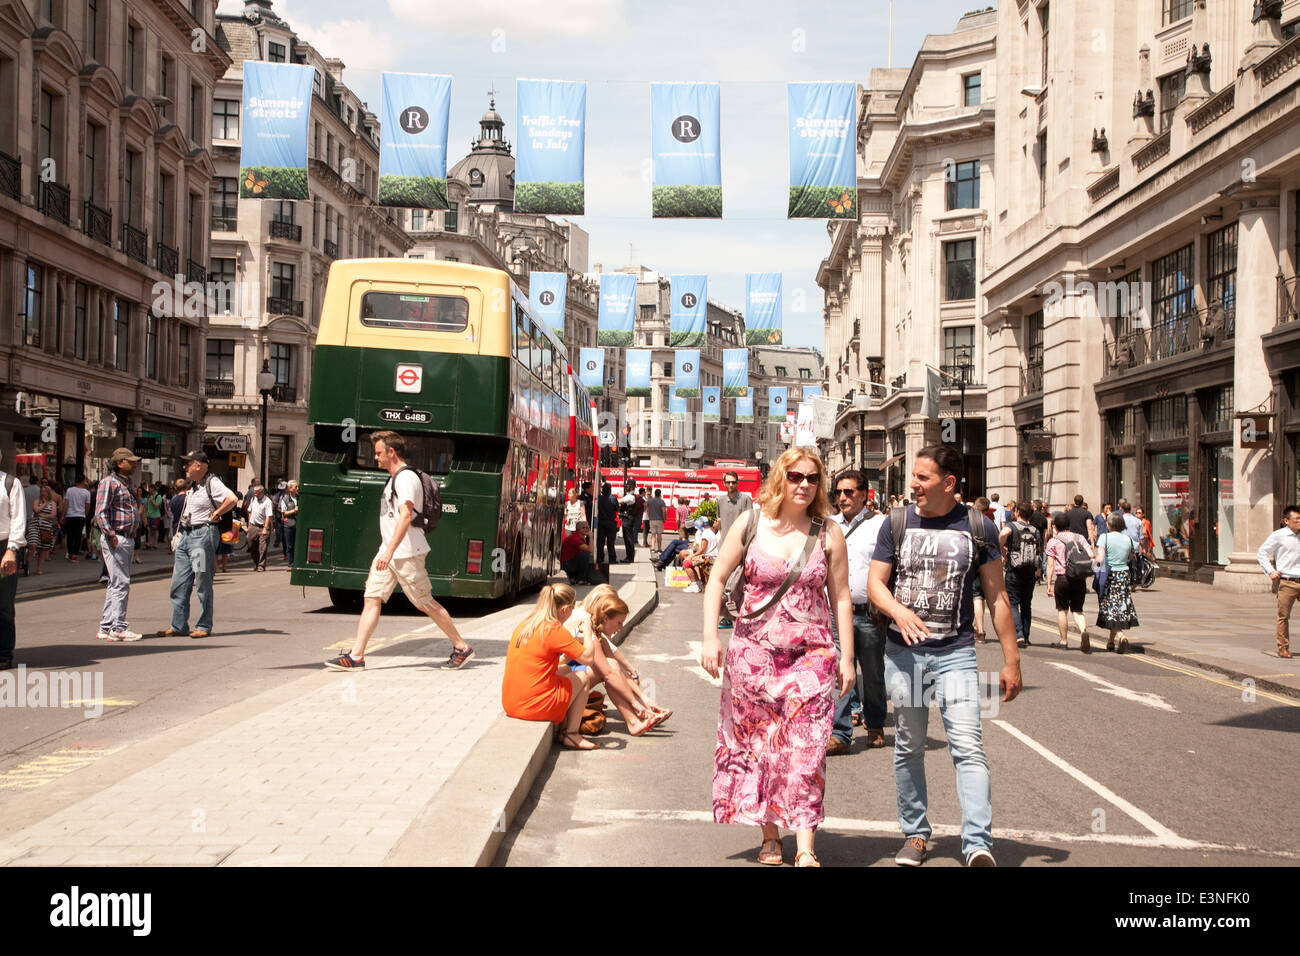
pixel 842 205
pixel 253 183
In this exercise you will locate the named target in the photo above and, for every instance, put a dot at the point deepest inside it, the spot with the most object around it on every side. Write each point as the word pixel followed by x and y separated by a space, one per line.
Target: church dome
pixel 488 172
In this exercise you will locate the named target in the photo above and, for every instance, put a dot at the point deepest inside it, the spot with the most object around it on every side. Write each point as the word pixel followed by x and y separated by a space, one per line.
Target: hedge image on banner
pixel 811 391
pixel 735 373
pixel 546 295
pixel 638 373
pixel 776 409
pixel 712 403
pixel 745 409
pixel 550 141
pixel 823 120
pixel 616 315
pixel 763 308
pixel 592 372
pixel 688 317
pixel 686 141
pixel 677 407
pixel 413 146
pixel 686 372
pixel 273 147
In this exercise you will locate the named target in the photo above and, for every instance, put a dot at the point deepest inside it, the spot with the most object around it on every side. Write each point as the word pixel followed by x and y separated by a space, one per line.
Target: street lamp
pixel 964 368
pixel 265 384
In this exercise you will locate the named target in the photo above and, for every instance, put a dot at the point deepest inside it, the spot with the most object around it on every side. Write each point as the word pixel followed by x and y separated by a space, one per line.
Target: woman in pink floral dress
pixel 781 678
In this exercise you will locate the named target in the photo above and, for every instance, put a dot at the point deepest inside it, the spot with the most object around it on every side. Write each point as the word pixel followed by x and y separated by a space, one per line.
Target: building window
pixel 1172 88
pixel 1045 20
pixel 1128 306
pixel 220 360
pixel 449 218
pixel 151 346
pixel 959 351
pixel 130 173
pixel 225 119
pixel 282 280
pixel 92 30
pixel 1042 170
pixel 94 147
pixel 1216 409
pixel 1221 260
pixel 964 185
pixel 475 177
pixel 970 87
pixel 275 52
pixel 1291 29
pixel 1167 418
pixel 164 207
pixel 46 132
pixel 166 70
pixel 283 211
pixel 282 365
pixel 1175 10
pixel 79 321
pixel 959 270
pixel 133 52
pixel 1033 353
pixel 33 305
pixel 121 334
pixel 417 219
pixel 1171 285
pixel 183 379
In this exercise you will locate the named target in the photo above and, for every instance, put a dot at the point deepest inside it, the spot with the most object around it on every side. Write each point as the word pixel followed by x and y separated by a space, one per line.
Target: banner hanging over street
pixel 686 372
pixel 617 312
pixel 824 413
pixel 551 143
pixel 413 144
pixel 763 308
pixel 811 391
pixel 592 373
pixel 745 409
pixel 546 295
pixel 688 316
pixel 823 126
pixel 638 373
pixel 776 401
pixel 273 142
pixel 735 373
pixel 677 407
pixel 804 433
pixel 686 140
pixel 712 403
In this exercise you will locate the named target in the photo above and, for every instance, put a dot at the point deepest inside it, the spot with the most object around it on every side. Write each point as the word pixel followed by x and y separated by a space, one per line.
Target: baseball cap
pixel 123 454
pixel 198 456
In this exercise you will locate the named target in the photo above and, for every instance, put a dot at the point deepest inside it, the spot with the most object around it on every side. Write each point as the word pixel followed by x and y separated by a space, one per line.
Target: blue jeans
pixel 290 536
pixel 951 677
pixel 117 564
pixel 194 561
pixel 1020 592
pixel 666 556
pixel 869 652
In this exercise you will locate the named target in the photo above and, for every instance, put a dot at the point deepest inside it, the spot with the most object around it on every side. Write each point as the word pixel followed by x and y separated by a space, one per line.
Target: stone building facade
pixel 795 368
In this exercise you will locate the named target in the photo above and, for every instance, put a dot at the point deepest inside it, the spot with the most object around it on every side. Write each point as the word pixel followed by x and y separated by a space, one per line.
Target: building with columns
pixel 1140 292
pixel 105 172
pixel 272 257
pixel 794 367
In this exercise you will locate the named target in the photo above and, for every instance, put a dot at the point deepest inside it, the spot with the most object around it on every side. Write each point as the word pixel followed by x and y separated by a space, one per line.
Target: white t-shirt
pixel 405 487
pixel 709 536
pixel 260 512
pixel 198 506
pixel 78 500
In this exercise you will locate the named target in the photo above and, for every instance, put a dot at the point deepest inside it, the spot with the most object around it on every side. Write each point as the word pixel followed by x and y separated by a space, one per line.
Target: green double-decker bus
pixel 449 356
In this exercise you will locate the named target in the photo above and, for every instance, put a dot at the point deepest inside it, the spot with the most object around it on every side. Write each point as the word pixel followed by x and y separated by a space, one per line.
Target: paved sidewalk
pixel 333 769
pixel 64 576
pixel 1197 624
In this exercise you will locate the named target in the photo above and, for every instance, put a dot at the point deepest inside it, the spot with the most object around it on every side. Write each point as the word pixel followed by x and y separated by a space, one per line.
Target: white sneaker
pixel 105 636
pixel 692 588
pixel 126 636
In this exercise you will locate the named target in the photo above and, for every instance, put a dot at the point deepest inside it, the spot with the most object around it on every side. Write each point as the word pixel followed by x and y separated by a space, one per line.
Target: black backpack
pixel 426 518
pixel 1024 547
pixel 1078 561
pixel 227 521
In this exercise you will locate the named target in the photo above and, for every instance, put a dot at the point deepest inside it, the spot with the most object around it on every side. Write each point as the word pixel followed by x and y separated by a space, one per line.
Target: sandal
pixel 805 858
pixel 1123 645
pixel 1110 644
pixel 1084 644
pixel 651 724
pixel 769 853
pixel 567 737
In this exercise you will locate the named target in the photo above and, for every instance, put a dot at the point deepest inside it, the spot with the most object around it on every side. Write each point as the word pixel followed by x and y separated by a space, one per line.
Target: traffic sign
pixel 232 442
pixel 237 459
pixel 409 378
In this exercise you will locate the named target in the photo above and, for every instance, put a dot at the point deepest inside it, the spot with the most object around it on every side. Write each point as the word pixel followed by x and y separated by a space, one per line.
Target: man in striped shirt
pixel 117 512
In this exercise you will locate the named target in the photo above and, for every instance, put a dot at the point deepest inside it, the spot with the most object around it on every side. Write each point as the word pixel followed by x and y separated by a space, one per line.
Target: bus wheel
pixel 516 574
pixel 345 599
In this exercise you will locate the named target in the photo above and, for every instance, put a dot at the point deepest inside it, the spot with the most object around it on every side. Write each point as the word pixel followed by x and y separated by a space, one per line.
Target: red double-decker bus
pixel 690 484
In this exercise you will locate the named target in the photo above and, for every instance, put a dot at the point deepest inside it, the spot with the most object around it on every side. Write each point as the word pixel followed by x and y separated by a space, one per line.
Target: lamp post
pixel 265 384
pixel 963 376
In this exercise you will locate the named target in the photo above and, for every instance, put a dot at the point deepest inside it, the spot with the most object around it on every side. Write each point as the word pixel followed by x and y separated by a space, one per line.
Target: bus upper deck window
pixel 424 313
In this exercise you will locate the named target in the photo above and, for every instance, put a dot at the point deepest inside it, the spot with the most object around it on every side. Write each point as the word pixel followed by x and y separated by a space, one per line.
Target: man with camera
pixel 207 501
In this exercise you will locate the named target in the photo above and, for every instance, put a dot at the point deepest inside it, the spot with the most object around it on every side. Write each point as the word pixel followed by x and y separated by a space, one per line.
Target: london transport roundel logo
pixel 415 119
pixel 408 377
pixel 547 298
pixel 689 300
pixel 686 129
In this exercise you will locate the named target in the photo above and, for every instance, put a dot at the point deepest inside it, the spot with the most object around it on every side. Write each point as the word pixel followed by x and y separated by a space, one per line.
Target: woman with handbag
pixel 780 680
pixel 1114 590
pixel 40 535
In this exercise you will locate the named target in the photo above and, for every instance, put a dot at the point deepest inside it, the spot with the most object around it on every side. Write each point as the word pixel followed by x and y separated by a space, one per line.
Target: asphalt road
pixel 1103 760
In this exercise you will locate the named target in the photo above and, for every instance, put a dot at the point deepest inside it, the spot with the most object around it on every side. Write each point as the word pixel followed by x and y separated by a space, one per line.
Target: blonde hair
pixel 773 493
pixel 602 602
pixel 553 599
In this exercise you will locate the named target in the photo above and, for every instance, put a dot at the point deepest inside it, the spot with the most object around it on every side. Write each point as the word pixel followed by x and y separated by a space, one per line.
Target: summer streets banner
pixel 776 403
pixel 745 409
pixel 763 308
pixel 712 403
pixel 686 372
pixel 689 313
pixel 273 152
pixel 823 120
pixel 811 391
pixel 546 295
pixel 638 373
pixel 616 315
pixel 677 407
pixel 550 140
pixel 735 373
pixel 686 142
pixel 592 373
pixel 413 145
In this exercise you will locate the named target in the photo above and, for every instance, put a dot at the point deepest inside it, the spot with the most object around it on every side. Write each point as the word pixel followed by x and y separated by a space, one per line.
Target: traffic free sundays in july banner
pixel 273 147
pixel 550 143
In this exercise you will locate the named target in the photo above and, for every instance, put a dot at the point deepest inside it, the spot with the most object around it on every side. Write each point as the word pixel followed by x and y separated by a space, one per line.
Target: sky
pixel 619 47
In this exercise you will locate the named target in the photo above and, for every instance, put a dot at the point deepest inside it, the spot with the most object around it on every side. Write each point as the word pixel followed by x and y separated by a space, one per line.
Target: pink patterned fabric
pixel 778 700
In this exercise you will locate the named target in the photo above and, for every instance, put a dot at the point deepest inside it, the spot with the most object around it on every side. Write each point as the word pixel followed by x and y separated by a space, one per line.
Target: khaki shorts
pixel 410 573
pixel 656 527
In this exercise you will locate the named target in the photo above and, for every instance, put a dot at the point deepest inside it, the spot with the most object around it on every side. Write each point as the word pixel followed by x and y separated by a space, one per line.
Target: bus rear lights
pixel 474 557
pixel 315 545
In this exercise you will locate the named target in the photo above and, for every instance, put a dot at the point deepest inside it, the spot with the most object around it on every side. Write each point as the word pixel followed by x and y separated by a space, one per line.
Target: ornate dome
pixel 488 172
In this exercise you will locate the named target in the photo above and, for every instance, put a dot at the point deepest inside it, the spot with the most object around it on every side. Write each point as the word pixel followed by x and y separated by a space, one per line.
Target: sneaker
pixel 125 635
pixel 458 658
pixel 104 635
pixel 836 747
pixel 345 662
pixel 913 853
pixel 981 858
pixel 692 588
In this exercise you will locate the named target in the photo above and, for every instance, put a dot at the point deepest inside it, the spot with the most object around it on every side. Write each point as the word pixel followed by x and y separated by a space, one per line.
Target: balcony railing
pixel 97 223
pixel 135 243
pixel 167 259
pixel 11 175
pixel 195 272
pixel 1031 379
pixel 224 218
pixel 278 305
pixel 957 373
pixel 1288 299
pixel 284 393
pixel 1106 183
pixel 331 249
pixel 219 388
pixel 1186 332
pixel 56 202
pixel 1152 151
pixel 285 230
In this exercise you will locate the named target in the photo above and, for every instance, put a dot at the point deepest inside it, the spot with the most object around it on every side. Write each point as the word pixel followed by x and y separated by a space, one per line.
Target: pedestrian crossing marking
pixel 50 767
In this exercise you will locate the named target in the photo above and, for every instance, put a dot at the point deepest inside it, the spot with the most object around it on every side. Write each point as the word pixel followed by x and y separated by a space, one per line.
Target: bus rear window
pixel 429 453
pixel 426 313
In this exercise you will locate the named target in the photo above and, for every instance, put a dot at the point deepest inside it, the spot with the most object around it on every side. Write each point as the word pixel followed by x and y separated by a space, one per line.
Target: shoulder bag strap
pixel 814 535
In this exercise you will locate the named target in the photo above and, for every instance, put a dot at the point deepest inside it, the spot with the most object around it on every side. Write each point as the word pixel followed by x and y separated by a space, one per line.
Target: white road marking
pixel 693 647
pixel 1106 687
pixel 1170 838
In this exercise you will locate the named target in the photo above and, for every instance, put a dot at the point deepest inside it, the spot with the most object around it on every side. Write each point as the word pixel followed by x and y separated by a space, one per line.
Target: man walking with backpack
pixel 1022 548
pixel 408 505
pixel 1069 568
pixel 207 502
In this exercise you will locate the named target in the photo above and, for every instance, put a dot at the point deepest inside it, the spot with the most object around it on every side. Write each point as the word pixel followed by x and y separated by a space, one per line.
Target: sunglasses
pixel 798 477
pixel 846 491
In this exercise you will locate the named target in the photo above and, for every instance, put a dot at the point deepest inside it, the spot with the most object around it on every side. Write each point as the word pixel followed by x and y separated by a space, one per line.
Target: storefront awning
pixel 891 462
pixel 11 421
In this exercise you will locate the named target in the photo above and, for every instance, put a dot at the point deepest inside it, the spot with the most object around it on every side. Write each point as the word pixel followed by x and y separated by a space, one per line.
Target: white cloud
pixel 529 18
pixel 355 43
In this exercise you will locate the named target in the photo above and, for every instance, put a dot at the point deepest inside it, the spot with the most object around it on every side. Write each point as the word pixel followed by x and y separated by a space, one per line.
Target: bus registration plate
pixel 405 416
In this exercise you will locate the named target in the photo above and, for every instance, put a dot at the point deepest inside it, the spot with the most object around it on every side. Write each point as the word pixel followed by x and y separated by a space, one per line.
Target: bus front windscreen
pixel 425 313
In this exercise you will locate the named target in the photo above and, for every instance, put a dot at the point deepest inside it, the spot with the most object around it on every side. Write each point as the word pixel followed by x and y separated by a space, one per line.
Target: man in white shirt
pixel 701 556
pixel 999 512
pixel 194 561
pixel 860 525
pixel 401 557
pixel 1279 556
pixel 260 510
pixel 13 538
pixel 76 509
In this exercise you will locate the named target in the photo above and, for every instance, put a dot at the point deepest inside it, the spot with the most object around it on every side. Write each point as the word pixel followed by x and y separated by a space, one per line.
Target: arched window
pixel 475 177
